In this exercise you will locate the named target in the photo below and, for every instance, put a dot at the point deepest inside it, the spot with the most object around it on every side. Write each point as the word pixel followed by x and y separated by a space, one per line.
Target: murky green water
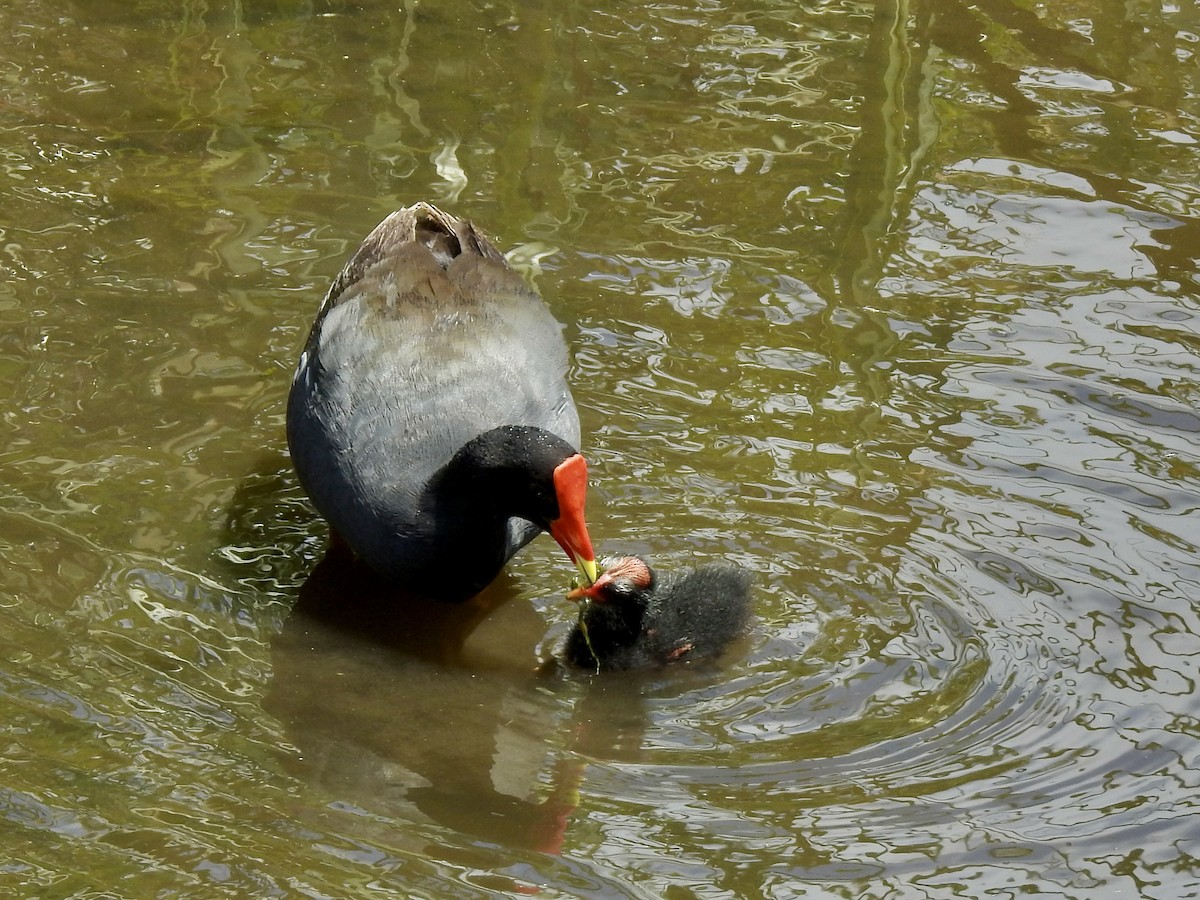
pixel 897 305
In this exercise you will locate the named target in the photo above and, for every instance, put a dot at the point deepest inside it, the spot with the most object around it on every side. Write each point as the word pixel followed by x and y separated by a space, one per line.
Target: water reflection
pixel 384 714
pixel 436 712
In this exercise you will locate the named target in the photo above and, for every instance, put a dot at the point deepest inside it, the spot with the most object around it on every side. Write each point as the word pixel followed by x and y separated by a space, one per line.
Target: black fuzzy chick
pixel 635 620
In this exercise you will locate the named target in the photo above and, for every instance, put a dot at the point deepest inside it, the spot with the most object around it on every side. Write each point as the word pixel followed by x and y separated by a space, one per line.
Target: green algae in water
pixel 583 629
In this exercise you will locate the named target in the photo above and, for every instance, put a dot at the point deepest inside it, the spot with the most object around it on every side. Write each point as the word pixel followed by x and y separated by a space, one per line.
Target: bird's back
pixel 426 340
pixel 704 609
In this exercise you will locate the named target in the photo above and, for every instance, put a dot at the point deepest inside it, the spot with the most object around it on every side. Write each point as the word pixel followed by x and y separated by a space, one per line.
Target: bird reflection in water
pixel 432 712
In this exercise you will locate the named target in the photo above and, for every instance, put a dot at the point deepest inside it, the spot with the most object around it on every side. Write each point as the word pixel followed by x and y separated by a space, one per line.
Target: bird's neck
pixel 467 505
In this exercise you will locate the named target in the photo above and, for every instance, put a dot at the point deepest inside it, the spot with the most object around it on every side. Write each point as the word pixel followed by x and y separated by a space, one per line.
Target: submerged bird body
pixel 429 419
pixel 634 620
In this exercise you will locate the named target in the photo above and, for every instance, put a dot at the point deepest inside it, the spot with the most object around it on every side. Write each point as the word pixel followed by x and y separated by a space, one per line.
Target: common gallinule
pixel 430 419
pixel 634 620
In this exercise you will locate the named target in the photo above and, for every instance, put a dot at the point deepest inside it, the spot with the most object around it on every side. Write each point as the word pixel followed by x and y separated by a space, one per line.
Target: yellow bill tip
pixel 588 569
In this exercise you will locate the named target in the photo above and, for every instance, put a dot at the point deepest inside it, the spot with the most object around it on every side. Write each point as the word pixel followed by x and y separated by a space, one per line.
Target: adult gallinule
pixel 430 419
pixel 634 620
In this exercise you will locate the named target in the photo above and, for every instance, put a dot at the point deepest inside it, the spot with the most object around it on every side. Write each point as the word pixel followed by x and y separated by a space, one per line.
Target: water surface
pixel 894 304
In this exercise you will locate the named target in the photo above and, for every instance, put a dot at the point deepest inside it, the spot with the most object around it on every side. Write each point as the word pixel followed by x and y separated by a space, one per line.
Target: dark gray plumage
pixel 430 408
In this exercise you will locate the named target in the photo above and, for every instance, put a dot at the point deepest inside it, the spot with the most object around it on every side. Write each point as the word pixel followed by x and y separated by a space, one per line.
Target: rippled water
pixel 894 304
